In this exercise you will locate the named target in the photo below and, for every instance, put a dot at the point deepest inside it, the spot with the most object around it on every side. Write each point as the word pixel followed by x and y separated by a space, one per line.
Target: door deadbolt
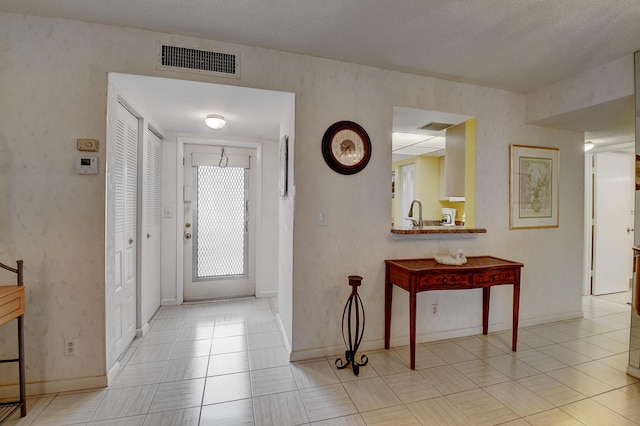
pixel 187 236
pixel 187 225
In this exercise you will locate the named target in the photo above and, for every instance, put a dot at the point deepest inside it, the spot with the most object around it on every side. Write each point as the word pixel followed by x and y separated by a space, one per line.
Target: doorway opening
pixel 220 217
pixel 609 221
pixel 256 119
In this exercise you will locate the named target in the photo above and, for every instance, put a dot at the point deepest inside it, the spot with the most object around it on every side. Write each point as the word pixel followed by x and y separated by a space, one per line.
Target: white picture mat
pixel 534 183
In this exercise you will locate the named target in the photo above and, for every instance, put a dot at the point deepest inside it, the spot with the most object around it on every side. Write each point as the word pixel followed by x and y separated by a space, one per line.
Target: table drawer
pixel 430 282
pixel 11 303
pixel 501 276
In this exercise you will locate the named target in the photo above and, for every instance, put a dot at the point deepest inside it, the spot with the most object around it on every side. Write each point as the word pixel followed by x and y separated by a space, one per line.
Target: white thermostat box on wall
pixel 87 165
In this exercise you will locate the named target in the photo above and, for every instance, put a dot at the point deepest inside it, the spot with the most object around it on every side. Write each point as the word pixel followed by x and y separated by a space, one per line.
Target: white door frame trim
pixel 180 143
pixel 588 203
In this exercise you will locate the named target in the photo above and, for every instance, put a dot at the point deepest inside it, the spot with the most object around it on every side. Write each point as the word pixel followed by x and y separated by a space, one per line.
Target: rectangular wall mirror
pixel 433 161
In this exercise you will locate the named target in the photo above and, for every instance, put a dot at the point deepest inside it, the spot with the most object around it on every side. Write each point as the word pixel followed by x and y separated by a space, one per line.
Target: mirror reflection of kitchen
pixel 433 162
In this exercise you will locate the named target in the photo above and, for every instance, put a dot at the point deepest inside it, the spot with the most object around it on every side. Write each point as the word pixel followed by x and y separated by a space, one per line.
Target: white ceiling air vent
pixel 184 59
pixel 435 126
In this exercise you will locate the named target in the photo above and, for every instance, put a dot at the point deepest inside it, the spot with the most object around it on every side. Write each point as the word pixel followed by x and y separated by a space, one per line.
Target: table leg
pixel 486 295
pixel 412 329
pixel 516 309
pixel 21 367
pixel 388 295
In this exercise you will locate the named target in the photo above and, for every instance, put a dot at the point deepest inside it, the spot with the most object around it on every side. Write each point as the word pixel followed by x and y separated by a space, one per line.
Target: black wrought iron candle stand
pixel 353 310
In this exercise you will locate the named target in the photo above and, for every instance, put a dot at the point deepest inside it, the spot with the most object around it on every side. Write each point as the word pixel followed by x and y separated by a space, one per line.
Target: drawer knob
pixel 493 277
pixel 444 280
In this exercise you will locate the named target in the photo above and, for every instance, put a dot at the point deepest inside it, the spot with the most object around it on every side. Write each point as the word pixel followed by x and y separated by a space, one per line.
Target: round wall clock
pixel 346 147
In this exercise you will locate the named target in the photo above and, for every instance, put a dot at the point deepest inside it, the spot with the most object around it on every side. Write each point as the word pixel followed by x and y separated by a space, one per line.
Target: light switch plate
pixel 88 145
pixel 321 218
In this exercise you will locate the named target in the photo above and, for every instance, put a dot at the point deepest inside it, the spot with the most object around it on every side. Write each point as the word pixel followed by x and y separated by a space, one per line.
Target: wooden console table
pixel 416 275
pixel 12 306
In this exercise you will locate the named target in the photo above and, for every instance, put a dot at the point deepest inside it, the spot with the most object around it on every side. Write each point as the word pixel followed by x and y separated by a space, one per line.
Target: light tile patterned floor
pixel 224 363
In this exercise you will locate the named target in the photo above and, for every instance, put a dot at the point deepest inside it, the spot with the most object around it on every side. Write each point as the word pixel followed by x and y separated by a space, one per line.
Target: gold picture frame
pixel 533 185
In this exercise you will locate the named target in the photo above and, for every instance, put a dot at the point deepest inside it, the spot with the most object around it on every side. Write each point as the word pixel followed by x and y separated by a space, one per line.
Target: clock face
pixel 346 147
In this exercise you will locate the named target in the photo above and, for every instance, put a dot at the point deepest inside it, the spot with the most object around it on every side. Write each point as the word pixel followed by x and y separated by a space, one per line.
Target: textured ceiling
pixel 180 106
pixel 515 45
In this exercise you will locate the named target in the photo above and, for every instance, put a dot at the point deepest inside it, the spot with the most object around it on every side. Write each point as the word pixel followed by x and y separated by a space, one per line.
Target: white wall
pixel 54 219
pixel 602 84
pixel 357 239
pixel 169 226
pixel 266 266
pixel 51 217
pixel 286 210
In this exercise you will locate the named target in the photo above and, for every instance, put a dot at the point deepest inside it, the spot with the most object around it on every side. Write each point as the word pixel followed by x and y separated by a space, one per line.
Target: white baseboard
pixel 140 332
pixel 261 295
pixel 549 319
pixel 321 352
pixel 55 386
pixel 374 345
pixel 113 373
pixel 378 344
pixel 632 371
pixel 266 294
pixel 283 333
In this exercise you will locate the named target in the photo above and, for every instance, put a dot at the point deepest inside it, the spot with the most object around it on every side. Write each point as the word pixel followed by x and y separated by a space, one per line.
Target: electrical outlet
pixel 70 346
pixel 435 308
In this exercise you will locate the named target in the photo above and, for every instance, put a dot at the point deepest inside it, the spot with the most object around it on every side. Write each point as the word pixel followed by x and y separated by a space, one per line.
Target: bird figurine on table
pixel 458 259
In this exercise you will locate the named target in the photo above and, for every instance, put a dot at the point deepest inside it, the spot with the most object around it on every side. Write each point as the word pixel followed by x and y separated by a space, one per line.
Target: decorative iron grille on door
pixel 221 222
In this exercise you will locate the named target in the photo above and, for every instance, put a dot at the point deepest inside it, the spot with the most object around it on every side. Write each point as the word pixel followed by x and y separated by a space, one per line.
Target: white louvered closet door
pixel 126 185
pixel 150 236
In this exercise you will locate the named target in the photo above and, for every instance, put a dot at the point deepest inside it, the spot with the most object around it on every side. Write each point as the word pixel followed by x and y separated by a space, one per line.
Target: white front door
pixel 614 216
pixel 126 186
pixel 219 228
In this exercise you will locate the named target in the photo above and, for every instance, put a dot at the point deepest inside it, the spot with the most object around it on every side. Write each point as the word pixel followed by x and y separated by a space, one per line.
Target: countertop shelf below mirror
pixel 435 232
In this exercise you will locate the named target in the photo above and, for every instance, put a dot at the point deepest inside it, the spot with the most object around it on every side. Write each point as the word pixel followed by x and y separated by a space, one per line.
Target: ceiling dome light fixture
pixel 588 146
pixel 215 121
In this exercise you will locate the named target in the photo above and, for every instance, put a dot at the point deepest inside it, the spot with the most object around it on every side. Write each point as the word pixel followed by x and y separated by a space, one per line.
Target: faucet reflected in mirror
pixel 416 223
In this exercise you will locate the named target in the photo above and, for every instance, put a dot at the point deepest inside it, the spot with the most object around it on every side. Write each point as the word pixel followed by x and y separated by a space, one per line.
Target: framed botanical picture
pixel 533 184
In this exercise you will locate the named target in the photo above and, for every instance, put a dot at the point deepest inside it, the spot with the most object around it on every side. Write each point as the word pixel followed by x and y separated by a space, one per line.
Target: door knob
pixel 629 230
pixel 148 235
pixel 187 236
